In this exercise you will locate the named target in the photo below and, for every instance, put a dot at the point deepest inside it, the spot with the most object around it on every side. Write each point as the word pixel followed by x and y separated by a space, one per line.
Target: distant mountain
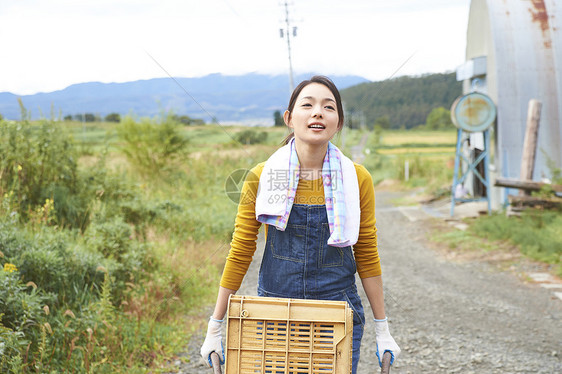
pixel 245 98
pixel 404 101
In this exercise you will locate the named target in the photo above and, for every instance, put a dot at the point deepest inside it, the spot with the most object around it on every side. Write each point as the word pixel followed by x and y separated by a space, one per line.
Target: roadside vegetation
pixel 415 159
pixel 113 235
pixel 112 238
pixel 537 234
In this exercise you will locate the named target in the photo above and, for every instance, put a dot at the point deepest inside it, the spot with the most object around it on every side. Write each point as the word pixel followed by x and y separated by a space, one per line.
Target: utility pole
pixel 288 33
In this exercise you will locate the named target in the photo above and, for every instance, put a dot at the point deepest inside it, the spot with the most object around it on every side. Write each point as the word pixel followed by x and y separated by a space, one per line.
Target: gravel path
pixel 448 317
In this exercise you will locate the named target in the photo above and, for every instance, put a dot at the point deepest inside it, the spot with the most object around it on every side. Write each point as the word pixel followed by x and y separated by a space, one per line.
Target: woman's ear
pixel 287 118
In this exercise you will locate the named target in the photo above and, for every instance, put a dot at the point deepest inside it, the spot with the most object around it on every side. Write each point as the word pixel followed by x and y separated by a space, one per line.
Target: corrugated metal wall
pixel 522 40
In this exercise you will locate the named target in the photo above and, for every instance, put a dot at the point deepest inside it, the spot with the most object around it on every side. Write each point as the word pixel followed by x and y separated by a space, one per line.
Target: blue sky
pixel 48 45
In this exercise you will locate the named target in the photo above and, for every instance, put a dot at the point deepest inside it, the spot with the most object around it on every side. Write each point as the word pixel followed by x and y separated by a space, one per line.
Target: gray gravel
pixel 448 317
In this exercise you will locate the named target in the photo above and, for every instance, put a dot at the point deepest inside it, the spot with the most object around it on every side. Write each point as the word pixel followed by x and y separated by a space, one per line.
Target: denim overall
pixel 298 263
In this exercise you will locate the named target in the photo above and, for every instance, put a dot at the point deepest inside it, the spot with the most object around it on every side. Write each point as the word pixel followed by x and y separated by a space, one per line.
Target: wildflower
pixel 10 268
pixel 19 168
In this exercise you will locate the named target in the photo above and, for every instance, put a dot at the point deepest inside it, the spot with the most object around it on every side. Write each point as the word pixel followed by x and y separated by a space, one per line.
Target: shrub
pixel 117 196
pixel 111 238
pixel 70 272
pixel 22 321
pixel 21 304
pixel 150 146
pixel 186 120
pixel 39 162
pixel 251 137
pixel 113 117
pixel 48 261
pixel 438 119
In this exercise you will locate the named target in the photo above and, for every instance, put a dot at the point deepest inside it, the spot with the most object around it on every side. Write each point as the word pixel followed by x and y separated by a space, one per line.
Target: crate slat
pixel 276 335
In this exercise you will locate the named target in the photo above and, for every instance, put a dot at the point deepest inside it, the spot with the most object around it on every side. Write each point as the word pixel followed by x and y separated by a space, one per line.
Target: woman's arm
pixel 365 250
pixel 373 289
pixel 222 302
pixel 368 266
pixel 385 342
pixel 246 228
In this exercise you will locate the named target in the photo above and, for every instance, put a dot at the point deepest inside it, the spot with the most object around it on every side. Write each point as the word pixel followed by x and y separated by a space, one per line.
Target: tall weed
pixel 39 162
pixel 110 263
pixel 22 321
pixel 152 147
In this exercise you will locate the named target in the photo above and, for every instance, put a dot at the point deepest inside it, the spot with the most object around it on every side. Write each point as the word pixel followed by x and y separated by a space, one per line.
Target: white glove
pixel 385 342
pixel 213 342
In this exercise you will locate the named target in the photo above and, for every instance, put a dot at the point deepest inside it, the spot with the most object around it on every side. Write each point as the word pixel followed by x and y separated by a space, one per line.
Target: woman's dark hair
pixel 321 80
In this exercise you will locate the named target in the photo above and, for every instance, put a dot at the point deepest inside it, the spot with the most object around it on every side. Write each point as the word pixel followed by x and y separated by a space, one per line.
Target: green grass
pixel 181 216
pixel 208 134
pixel 536 234
pixel 463 241
pixel 92 137
pixel 416 151
pixel 430 155
pixel 402 137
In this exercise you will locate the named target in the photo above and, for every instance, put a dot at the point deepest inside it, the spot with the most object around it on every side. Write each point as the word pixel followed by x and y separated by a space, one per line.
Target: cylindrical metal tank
pixel 521 41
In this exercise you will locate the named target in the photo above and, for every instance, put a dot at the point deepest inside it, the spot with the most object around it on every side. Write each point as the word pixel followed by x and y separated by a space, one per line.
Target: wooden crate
pixel 276 335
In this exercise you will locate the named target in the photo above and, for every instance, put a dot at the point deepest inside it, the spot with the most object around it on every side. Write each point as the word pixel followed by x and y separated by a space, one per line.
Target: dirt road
pixel 448 317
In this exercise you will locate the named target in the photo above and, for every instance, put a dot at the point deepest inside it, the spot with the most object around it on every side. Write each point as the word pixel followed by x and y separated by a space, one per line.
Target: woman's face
pixel 315 117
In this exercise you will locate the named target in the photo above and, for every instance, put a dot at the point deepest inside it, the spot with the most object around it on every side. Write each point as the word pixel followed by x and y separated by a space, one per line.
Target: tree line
pixel 403 102
pixel 116 117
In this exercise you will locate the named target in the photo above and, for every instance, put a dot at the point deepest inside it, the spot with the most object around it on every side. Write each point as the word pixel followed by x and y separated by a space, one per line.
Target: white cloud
pixel 48 45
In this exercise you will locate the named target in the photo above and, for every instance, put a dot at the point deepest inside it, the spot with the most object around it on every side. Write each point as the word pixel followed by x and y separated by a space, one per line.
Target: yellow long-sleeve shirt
pixel 246 227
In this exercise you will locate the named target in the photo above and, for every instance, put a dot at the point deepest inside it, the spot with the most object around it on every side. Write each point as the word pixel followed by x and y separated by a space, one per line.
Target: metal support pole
pixel 456 172
pixel 487 170
pixel 471 168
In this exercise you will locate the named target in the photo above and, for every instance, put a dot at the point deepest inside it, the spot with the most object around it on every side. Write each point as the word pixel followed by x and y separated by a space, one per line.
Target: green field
pixel 113 236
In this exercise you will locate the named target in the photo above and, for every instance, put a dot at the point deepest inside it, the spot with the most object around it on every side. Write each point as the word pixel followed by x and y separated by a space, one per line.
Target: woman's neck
pixel 311 159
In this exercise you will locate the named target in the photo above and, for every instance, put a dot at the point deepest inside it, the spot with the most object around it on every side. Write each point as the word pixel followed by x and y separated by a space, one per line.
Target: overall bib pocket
pixel 289 244
pixel 329 256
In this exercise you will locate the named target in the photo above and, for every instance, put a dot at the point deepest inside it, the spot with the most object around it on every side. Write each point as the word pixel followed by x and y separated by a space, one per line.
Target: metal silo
pixel 514 50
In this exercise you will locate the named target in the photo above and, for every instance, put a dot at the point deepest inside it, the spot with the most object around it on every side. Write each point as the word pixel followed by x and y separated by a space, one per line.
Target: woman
pixel 319 211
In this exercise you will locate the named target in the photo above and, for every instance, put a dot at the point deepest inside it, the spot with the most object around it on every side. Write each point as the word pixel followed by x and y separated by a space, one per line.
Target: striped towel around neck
pixel 278 187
